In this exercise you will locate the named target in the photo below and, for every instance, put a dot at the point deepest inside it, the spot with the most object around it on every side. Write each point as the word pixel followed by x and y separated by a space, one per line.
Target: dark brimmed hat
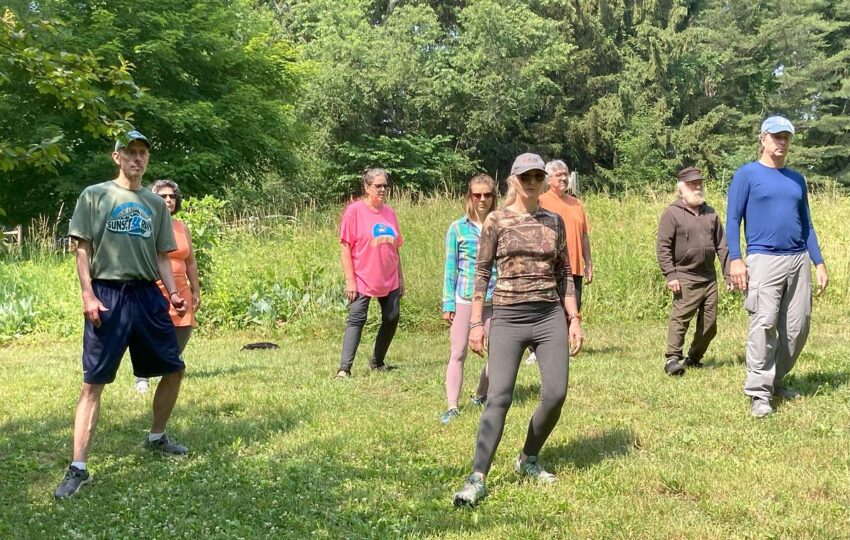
pixel 528 162
pixel 130 137
pixel 689 174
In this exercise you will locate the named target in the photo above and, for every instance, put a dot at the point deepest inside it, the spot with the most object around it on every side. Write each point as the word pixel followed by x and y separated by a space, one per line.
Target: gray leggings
pixel 513 329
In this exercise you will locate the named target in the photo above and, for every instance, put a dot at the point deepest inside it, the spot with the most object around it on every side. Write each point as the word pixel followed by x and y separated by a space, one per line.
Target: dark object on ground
pixel 260 345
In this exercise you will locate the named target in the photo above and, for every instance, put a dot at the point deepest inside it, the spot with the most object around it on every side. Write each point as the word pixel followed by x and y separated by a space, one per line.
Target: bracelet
pixel 576 316
pixel 172 294
pixel 475 325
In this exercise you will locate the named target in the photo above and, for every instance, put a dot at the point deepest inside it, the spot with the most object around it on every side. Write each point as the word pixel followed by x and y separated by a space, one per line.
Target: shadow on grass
pixel 588 451
pixel 817 383
pixel 525 392
pixel 220 372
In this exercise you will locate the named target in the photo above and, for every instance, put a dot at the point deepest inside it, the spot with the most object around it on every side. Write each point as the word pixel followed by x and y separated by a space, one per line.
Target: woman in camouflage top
pixel 533 292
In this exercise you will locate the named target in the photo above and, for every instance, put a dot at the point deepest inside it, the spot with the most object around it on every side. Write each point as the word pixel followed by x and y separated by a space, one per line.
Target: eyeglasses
pixel 380 186
pixel 168 195
pixel 535 177
pixel 480 196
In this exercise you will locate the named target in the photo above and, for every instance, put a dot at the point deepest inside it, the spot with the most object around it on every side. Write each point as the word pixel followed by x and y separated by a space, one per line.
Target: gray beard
pixel 694 199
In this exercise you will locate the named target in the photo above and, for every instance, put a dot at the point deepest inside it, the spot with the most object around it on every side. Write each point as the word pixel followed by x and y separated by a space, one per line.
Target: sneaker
pixel 785 392
pixel 674 368
pixel 72 482
pixel 760 408
pixel 342 374
pixel 166 446
pixel 382 367
pixel 532 359
pixel 532 469
pixel 142 385
pixel 448 415
pixel 692 363
pixel 472 491
pixel 478 401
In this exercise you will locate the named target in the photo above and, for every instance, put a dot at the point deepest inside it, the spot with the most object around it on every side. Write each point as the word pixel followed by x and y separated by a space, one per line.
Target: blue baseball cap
pixel 777 124
pixel 130 137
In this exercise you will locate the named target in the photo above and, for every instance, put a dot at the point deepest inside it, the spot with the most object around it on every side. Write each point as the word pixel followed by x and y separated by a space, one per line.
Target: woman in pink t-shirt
pixel 370 238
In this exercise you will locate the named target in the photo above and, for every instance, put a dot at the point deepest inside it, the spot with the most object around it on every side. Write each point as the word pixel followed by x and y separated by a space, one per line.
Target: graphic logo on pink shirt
pixel 383 234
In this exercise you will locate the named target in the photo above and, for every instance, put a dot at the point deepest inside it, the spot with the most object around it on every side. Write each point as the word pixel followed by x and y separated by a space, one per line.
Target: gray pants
pixel 513 329
pixel 357 312
pixel 779 301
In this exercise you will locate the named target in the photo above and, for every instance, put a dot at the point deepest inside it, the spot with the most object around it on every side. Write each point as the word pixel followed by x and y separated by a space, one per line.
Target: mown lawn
pixel 280 450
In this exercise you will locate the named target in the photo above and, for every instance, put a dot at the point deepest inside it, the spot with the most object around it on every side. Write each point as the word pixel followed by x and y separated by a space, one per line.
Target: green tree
pixel 219 81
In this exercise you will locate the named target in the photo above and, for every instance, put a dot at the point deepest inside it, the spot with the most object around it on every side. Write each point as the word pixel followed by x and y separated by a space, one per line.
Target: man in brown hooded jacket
pixel 689 235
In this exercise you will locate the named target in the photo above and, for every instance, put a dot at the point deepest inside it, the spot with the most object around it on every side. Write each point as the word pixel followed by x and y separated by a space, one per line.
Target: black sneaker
pixel 165 446
pixel 692 363
pixel 383 367
pixel 72 482
pixel 674 368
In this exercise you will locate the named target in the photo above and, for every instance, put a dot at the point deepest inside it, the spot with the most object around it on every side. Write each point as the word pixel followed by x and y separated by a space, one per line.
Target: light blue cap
pixel 777 124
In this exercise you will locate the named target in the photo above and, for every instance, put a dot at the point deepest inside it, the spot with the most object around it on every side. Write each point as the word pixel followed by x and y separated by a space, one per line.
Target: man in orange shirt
pixel 558 201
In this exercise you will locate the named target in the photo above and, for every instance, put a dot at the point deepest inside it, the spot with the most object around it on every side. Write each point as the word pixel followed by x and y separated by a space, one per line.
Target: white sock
pixel 155 436
pixel 81 465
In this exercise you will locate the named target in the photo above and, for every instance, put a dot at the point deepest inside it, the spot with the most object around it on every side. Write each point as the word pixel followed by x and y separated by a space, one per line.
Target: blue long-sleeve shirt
pixel 774 204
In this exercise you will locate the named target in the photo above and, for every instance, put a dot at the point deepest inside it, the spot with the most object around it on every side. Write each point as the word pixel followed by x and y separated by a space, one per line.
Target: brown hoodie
pixel 688 241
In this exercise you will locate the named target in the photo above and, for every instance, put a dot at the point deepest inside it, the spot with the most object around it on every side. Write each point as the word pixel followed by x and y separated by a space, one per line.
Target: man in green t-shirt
pixel 124 234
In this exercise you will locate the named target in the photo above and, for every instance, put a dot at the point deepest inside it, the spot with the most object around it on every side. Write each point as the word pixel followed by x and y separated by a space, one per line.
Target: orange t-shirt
pixel 575 221
pixel 178 259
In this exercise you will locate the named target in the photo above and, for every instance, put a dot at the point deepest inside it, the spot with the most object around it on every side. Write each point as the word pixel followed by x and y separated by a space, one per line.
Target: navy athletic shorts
pixel 138 319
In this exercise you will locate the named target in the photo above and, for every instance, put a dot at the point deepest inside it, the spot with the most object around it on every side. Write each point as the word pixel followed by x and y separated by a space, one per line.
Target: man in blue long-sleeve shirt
pixel 777 280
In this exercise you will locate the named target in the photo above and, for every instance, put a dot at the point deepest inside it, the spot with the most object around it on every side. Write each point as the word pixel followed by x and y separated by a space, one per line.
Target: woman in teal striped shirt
pixel 461 251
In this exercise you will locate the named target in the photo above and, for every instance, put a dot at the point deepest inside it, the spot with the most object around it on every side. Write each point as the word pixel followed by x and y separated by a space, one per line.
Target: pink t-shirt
pixel 374 238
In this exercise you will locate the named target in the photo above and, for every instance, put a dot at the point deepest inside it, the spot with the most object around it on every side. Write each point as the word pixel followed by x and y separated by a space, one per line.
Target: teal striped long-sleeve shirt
pixel 461 251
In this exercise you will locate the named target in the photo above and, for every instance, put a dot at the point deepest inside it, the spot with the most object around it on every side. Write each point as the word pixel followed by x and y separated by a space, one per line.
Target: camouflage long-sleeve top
pixel 530 252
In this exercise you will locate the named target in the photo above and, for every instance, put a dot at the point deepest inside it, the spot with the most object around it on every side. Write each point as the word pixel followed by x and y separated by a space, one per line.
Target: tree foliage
pixel 219 80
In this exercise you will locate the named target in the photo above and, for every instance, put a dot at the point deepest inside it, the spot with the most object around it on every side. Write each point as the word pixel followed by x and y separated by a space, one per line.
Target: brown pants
pixel 696 298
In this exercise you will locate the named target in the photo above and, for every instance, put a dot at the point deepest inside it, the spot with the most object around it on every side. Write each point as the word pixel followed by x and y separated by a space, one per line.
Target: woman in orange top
pixel 184 267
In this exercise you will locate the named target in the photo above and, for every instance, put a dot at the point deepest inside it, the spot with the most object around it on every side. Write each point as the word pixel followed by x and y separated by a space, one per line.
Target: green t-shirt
pixel 126 229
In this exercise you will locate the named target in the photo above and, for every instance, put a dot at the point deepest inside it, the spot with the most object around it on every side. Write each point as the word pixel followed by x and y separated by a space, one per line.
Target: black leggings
pixel 357 312
pixel 543 326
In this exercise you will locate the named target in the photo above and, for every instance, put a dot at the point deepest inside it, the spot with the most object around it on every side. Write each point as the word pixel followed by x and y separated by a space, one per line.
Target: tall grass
pixel 282 274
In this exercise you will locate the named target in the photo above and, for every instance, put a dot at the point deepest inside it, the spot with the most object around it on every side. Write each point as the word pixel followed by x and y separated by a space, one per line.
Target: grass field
pixel 280 450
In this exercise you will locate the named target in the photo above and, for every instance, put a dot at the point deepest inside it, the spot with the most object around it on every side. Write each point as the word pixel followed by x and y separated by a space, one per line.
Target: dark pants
pixel 512 329
pixel 696 298
pixel 578 281
pixel 357 312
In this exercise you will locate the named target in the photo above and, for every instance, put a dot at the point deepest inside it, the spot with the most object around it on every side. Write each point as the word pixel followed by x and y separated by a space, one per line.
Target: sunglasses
pixel 168 195
pixel 480 196
pixel 535 177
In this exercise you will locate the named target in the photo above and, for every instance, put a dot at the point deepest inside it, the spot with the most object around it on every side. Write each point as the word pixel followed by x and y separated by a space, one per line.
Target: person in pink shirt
pixel 370 238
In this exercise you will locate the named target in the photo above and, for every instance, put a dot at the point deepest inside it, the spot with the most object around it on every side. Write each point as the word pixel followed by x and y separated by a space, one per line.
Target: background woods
pixel 282 103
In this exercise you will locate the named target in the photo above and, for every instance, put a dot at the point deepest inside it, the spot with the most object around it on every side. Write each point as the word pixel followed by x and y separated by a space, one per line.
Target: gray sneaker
pixel 166 446
pixel 478 401
pixel 674 368
pixel 449 414
pixel 72 482
pixel 472 491
pixel 785 392
pixel 531 468
pixel 760 408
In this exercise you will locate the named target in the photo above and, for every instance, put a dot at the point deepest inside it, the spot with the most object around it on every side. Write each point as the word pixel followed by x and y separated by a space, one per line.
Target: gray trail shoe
pixel 760 408
pixel 449 415
pixel 166 446
pixel 674 368
pixel 472 491
pixel 72 482
pixel 530 468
